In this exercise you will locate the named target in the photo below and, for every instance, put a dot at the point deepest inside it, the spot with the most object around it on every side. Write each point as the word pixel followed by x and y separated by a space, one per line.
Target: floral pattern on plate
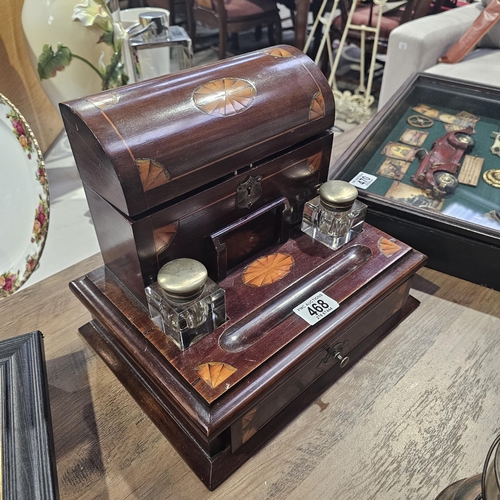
pixel 20 130
pixel 17 265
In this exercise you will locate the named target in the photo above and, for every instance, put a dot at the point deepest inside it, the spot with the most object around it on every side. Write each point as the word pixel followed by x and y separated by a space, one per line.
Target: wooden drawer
pixel 323 360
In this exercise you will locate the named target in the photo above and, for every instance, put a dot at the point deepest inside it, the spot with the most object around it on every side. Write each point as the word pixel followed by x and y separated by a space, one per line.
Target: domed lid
pixel 182 279
pixel 337 195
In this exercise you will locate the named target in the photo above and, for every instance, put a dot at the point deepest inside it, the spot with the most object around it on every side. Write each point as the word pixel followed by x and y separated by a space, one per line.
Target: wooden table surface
pixel 417 413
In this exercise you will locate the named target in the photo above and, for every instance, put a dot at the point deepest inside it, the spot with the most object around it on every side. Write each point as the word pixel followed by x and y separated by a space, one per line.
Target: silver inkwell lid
pixel 337 196
pixel 182 280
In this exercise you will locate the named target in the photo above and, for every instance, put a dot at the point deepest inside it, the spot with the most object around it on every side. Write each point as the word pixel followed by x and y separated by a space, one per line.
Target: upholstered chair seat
pixel 234 16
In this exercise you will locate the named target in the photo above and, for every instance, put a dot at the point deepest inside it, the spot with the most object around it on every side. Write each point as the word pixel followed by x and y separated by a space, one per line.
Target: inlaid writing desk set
pixel 214 309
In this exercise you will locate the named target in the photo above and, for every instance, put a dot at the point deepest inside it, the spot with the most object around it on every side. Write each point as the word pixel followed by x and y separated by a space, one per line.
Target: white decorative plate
pixel 24 200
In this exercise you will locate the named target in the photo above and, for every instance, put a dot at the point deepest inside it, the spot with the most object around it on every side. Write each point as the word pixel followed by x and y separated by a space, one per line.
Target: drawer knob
pixel 335 352
pixel 343 359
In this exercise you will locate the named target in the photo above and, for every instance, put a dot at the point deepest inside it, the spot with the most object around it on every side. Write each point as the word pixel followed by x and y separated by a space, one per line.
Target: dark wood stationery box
pixel 216 164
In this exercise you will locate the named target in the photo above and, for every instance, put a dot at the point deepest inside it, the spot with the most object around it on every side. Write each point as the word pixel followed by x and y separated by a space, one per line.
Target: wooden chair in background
pixel 367 25
pixel 365 28
pixel 177 9
pixel 367 14
pixel 229 17
pixel 234 16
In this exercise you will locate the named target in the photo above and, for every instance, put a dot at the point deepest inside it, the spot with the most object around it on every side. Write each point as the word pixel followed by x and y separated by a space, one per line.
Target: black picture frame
pixel 454 246
pixel 28 454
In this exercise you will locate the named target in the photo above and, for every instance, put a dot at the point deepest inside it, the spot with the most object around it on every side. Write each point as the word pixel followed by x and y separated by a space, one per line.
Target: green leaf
pixel 114 72
pixel 107 38
pixel 50 62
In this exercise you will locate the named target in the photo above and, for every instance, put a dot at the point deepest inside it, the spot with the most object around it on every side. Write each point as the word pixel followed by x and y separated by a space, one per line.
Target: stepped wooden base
pixel 216 432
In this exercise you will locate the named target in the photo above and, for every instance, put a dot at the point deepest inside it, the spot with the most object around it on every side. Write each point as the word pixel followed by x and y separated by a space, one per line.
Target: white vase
pixel 50 22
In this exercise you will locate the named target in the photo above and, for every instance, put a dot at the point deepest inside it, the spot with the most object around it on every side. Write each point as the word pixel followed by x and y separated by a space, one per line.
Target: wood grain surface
pixel 418 412
pixel 18 79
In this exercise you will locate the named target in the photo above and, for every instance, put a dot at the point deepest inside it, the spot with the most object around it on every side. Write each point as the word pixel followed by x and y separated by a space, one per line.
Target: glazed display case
pixel 428 167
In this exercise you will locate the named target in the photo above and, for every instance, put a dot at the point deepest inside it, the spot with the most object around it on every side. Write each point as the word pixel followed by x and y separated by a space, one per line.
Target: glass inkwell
pixel 185 303
pixel 334 217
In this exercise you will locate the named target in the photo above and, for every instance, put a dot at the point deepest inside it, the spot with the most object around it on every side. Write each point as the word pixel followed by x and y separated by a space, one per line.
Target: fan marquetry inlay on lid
pixel 388 247
pixel 225 97
pixel 268 269
pixel 317 108
pixel 215 372
pixel 153 173
pixel 277 52
pixel 163 236
pixel 105 101
pixel 314 162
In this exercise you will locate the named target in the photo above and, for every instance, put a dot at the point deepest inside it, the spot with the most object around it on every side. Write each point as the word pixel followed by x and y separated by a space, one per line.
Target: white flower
pixel 91 13
pixel 119 36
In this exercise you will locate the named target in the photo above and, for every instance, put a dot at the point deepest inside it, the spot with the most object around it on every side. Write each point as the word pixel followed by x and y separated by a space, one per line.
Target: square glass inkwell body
pixel 185 303
pixel 334 217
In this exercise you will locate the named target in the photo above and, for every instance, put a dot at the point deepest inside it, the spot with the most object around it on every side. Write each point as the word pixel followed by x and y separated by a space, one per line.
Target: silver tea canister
pixel 155 47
